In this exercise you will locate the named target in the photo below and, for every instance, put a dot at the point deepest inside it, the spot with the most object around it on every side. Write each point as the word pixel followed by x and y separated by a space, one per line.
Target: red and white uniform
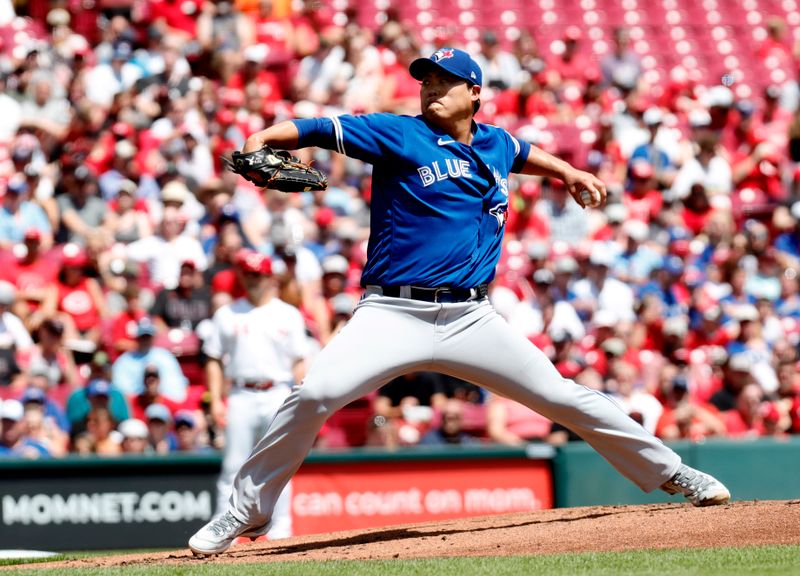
pixel 258 346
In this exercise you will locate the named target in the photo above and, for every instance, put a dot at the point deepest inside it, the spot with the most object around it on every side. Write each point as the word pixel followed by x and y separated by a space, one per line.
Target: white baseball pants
pixel 250 413
pixel 388 337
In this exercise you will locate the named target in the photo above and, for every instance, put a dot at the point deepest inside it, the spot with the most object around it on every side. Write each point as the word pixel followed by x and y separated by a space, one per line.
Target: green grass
pixel 750 561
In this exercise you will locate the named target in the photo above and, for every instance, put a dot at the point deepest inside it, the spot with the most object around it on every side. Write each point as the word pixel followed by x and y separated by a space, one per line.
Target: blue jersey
pixel 439 207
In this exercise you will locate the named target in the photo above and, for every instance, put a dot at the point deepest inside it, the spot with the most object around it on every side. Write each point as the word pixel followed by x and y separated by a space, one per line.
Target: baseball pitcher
pixel 439 208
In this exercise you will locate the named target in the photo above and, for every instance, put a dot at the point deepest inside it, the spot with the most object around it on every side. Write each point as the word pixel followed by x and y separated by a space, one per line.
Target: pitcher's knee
pixel 318 400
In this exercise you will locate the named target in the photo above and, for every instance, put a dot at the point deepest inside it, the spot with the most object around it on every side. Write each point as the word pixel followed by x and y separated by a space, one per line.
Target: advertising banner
pixel 364 495
pixel 103 512
pixel 110 504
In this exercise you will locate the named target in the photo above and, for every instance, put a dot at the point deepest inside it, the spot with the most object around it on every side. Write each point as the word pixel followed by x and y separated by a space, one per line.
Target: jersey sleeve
pixel 367 137
pixel 519 150
pixel 298 344
pixel 212 346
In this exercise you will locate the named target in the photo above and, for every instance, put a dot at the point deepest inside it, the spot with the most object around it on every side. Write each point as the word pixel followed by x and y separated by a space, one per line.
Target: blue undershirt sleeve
pixel 521 156
pixel 315 132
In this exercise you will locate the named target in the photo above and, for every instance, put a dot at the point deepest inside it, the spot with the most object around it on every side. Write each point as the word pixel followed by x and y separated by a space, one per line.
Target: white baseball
pixel 588 198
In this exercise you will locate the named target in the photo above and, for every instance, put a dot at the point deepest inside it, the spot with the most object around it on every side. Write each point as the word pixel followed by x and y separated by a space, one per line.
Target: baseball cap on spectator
pixel 342 304
pixel 184 418
pixel 98 387
pixel 126 186
pixel 58 17
pixel 672 264
pixel 17 185
pixel 12 410
pixel 699 118
pixel 228 213
pixel 151 370
pixel 543 276
pixel 174 191
pixel 124 149
pixel 335 264
pixel 145 327
pixel 636 230
pixel 73 255
pixel 740 362
pixel 7 293
pixel 604 318
pixel 641 169
pixel 191 264
pixel 324 216
pixel 717 97
pixel 614 346
pixel 565 265
pixel 653 116
pixel 676 326
pixel 559 336
pixel 252 261
pixel 537 250
pixel 744 313
pixel 712 313
pixel 122 129
pixel 680 382
pixel 256 53
pixel 133 428
pixel 616 213
pixel 530 189
pixel 158 411
pixel 122 51
pixel 601 256
pixel 33 395
pixel 32 235
pixel 450 60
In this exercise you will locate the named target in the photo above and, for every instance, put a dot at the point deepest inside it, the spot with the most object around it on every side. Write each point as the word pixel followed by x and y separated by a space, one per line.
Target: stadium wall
pixel 156 502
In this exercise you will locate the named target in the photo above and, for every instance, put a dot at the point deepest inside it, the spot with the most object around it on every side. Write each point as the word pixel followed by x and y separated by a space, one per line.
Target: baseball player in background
pixel 258 344
pixel 438 211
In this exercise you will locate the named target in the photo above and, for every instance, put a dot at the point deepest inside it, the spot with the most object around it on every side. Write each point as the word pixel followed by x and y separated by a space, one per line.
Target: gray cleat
pixel 700 489
pixel 218 535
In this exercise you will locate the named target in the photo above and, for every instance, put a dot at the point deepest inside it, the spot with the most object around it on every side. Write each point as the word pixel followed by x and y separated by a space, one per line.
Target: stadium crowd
pixel 120 232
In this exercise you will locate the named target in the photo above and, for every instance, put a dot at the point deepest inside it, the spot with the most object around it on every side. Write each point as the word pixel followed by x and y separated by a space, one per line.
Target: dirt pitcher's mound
pixel 604 528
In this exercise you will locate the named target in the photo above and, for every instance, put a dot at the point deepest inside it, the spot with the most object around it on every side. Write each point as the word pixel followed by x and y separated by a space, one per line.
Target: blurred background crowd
pixel 119 229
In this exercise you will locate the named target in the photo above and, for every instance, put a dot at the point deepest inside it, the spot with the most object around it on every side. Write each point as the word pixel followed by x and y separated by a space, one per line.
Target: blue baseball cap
pixel 451 60
pixel 34 395
pixel 98 387
pixel 158 412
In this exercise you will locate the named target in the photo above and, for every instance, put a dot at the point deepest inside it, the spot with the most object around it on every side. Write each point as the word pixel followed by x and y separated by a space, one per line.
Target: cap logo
pixel 473 76
pixel 442 54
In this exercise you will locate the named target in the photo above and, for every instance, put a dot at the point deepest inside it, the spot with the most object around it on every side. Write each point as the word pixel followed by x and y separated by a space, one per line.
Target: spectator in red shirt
pixel 124 324
pixel 524 222
pixel 150 395
pixel 747 417
pixel 32 274
pixel 696 209
pixel 175 17
pixel 683 417
pixel 571 64
pixel 76 299
pixel 254 72
pixel 642 199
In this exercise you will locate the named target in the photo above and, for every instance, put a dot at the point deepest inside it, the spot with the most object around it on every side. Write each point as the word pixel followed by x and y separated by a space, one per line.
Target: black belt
pixel 442 294
pixel 253 384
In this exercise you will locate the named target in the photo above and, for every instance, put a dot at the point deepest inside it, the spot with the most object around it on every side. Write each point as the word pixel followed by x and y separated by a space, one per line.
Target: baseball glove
pixel 276 169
